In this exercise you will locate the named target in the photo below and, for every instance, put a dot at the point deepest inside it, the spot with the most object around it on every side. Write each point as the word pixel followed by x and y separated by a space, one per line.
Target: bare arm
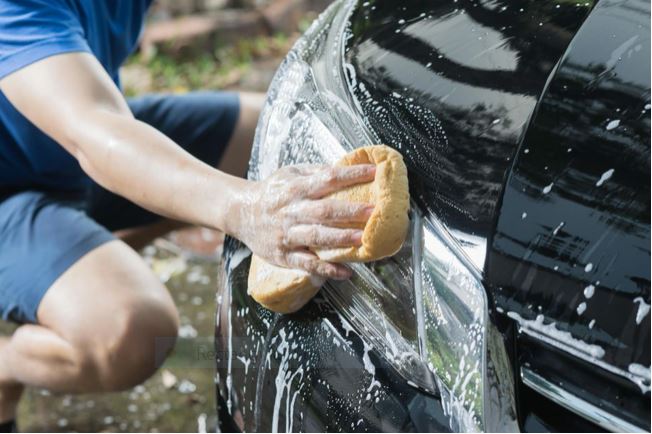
pixel 71 98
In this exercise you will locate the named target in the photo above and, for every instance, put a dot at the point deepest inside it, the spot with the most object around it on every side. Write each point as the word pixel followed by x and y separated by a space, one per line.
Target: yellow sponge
pixel 285 290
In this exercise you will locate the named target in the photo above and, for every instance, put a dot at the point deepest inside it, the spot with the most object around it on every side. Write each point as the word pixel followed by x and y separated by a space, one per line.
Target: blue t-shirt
pixel 31 30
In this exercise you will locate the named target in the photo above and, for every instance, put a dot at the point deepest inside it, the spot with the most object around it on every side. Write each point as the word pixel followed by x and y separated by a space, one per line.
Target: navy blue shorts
pixel 43 233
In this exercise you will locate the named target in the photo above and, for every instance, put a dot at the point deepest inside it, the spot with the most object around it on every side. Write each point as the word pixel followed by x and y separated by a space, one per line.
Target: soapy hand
pixel 284 215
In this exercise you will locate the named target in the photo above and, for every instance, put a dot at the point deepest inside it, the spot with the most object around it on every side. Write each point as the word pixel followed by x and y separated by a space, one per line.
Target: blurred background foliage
pixel 228 67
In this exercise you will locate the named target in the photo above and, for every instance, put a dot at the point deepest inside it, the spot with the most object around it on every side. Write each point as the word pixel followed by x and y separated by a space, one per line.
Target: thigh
pixel 202 123
pixel 235 159
pixel 109 291
pixel 41 236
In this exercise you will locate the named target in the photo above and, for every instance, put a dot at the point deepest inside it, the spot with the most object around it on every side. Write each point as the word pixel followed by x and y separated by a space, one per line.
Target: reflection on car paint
pixel 457 117
pixel 298 377
pixel 588 152
pixel 464 78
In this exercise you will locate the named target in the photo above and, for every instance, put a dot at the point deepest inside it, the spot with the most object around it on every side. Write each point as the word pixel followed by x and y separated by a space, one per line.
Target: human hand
pixel 282 217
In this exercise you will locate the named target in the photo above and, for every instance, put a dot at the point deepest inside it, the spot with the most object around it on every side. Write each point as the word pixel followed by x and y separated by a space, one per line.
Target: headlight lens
pixel 424 309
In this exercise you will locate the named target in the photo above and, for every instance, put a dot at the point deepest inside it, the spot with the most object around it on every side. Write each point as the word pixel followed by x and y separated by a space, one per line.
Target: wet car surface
pixel 520 300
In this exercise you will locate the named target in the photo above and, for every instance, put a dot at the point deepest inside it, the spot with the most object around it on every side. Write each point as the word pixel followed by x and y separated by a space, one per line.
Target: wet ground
pixel 180 397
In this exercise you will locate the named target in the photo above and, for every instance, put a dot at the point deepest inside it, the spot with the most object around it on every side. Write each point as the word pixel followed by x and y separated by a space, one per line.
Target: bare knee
pixel 142 335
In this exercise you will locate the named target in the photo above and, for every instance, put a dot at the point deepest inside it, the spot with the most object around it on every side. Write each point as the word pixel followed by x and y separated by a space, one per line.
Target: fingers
pixel 306 169
pixel 330 212
pixel 311 263
pixel 322 236
pixel 336 178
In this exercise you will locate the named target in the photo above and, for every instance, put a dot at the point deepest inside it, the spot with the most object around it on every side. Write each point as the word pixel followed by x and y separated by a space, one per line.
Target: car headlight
pixel 425 308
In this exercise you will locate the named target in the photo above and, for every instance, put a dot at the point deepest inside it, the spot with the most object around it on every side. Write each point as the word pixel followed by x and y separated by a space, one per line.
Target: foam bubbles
pixel 605 176
pixel 613 124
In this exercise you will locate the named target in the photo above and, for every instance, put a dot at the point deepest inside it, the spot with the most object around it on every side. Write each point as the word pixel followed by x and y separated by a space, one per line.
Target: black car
pixel 521 298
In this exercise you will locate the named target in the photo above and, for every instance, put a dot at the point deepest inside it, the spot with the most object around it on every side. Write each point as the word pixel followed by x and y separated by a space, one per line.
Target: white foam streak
pixel 643 309
pixel 605 176
pixel 557 336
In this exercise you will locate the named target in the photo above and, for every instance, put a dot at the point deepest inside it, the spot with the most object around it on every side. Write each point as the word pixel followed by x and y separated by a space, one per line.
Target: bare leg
pixel 10 393
pixel 235 159
pixel 104 325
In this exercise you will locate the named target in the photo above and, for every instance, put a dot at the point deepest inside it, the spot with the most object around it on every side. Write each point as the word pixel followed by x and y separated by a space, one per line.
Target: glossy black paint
pixel 326 359
pixel 458 108
pixel 459 82
pixel 549 246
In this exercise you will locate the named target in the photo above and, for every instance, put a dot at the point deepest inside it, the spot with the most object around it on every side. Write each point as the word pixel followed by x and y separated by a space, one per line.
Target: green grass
pixel 209 70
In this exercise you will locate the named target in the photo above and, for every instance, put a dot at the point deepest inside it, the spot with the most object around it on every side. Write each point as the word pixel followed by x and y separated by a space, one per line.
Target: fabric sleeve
pixel 31 30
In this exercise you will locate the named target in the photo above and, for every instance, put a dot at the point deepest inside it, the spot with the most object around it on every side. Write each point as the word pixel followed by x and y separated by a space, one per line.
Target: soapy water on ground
pixel 180 397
